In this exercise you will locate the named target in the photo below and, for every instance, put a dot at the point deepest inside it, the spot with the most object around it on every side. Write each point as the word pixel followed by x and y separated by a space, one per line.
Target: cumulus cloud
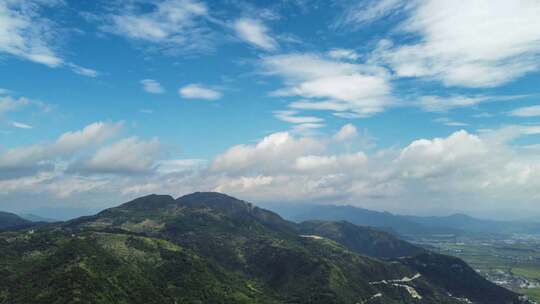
pixel 346 132
pixel 152 86
pixel 459 48
pixel 198 91
pixel 462 170
pixel 28 159
pixel 272 152
pixel 327 84
pixel 127 156
pixel 255 33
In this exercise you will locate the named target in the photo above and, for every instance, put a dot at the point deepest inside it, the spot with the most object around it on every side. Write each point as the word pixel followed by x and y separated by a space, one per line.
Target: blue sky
pixel 412 106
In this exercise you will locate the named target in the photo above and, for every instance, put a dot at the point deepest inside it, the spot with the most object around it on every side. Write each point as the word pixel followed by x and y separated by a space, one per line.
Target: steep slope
pixel 203 248
pixel 364 240
pixel 12 221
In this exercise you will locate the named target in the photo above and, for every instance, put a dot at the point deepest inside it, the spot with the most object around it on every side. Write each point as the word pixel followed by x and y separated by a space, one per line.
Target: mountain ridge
pixel 209 247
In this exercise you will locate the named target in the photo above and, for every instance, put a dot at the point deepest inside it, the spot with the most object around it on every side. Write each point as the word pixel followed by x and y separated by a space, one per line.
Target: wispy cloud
pixel 449 122
pixel 293 117
pixel 21 125
pixel 343 54
pixel 9 103
pixel 328 84
pixel 255 33
pixel 169 24
pixel 531 111
pixel 152 86
pixel 369 11
pixel 446 103
pixel 198 91
pixel 83 71
pixel 25 33
pixel 457 45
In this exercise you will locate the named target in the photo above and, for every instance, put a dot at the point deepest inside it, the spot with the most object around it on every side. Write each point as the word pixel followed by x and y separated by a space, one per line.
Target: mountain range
pixel 406 225
pixel 208 247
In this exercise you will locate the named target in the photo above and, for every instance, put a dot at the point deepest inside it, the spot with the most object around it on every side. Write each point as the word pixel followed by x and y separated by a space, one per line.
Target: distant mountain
pixel 405 225
pixel 471 224
pixel 12 221
pixel 62 213
pixel 213 248
pixel 36 218
pixel 363 217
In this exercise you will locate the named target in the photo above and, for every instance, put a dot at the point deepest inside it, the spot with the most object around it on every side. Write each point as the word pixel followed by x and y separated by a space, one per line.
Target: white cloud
pixel 343 54
pixel 26 34
pixel 531 111
pixel 152 86
pixel 333 163
pixel 8 103
pixel 255 33
pixel 198 91
pixel 449 122
pixel 346 132
pixel 463 170
pixel 27 159
pixel 130 155
pixel 292 117
pixel 370 11
pixel 482 43
pixel 272 152
pixel 83 71
pixel 447 103
pixel 170 23
pixel 432 157
pixel 21 125
pixel 327 84
pixel 94 133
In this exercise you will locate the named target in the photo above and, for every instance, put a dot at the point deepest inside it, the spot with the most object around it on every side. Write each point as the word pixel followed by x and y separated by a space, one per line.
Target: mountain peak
pixel 148 202
pixel 214 200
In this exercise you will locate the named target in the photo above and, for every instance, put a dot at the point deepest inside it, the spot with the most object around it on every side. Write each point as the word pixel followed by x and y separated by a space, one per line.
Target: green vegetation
pixel 211 248
pixel 533 293
pixel 531 272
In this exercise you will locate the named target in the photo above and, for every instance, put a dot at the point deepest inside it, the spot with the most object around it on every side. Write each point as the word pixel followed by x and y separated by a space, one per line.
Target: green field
pixel 533 293
pixel 529 272
pixel 500 261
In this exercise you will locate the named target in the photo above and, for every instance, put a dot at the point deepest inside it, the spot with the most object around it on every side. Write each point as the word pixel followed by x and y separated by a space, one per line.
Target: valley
pixel 510 261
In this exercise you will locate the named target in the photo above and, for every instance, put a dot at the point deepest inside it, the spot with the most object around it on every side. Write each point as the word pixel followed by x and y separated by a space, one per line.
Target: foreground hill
pixel 212 248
